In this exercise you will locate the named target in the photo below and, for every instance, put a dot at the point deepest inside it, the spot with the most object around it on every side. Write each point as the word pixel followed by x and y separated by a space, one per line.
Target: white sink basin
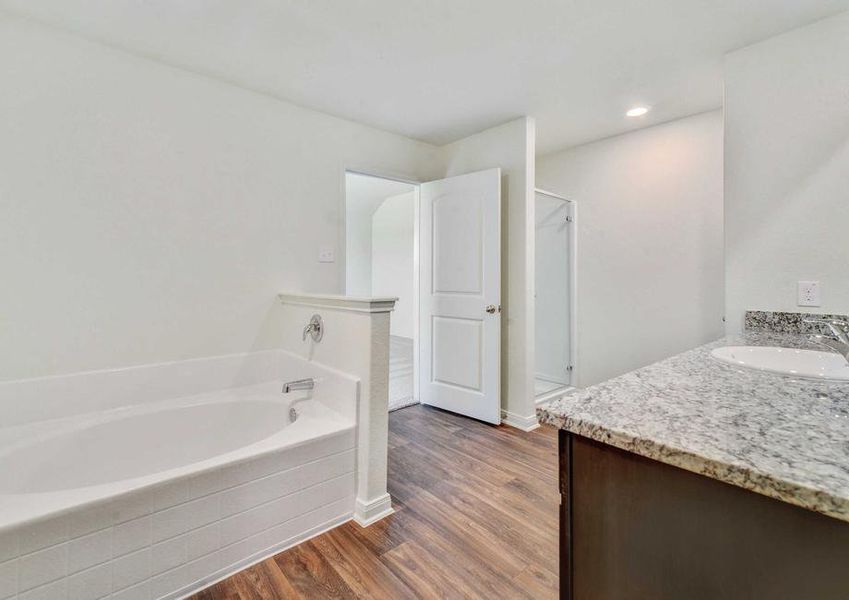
pixel 807 364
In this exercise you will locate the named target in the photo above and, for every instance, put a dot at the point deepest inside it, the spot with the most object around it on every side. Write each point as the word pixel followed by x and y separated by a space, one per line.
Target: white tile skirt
pixel 162 500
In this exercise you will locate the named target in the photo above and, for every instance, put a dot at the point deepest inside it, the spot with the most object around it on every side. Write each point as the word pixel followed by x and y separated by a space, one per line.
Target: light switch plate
pixel 326 254
pixel 809 293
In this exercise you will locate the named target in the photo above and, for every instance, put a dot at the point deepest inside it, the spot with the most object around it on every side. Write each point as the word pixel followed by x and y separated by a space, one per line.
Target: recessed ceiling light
pixel 637 111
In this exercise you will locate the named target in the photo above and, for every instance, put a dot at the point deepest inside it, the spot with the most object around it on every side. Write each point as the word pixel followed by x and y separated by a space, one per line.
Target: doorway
pixel 436 247
pixel 381 260
pixel 554 294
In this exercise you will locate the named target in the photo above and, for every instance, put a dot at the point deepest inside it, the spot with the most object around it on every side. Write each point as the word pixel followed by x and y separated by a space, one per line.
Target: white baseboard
pixel 366 513
pixel 524 423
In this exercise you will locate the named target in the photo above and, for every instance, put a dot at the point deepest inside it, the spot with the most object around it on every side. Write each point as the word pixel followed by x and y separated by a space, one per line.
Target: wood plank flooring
pixel 477 510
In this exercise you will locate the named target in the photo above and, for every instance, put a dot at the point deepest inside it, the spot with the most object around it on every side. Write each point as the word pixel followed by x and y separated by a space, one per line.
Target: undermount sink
pixel 807 364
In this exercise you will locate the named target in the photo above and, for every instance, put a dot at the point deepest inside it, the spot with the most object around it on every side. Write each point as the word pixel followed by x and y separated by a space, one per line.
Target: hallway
pixel 400 372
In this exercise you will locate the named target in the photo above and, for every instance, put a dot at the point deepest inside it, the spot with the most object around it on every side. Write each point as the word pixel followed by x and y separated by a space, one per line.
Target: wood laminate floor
pixel 476 517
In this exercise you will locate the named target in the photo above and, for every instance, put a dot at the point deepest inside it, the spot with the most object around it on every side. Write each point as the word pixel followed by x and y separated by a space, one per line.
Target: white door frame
pixel 573 295
pixel 416 274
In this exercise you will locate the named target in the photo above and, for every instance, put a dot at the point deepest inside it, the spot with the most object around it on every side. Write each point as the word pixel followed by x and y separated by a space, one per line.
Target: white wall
pixel 392 266
pixel 787 170
pixel 363 195
pixel 650 266
pixel 358 251
pixel 150 214
pixel 511 147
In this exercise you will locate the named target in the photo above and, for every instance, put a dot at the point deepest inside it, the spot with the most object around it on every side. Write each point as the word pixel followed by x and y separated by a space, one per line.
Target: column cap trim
pixel 363 304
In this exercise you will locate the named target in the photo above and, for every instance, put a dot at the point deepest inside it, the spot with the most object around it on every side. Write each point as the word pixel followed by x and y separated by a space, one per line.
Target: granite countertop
pixel 781 437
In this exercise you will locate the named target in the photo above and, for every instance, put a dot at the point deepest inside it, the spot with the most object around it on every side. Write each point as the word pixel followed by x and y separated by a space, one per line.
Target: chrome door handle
pixel 492 309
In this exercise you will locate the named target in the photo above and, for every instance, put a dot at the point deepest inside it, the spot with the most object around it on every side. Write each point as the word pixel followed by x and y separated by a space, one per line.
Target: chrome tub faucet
pixel 299 384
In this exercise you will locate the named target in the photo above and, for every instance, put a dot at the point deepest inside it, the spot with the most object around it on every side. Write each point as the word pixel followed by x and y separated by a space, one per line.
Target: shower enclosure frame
pixel 574 372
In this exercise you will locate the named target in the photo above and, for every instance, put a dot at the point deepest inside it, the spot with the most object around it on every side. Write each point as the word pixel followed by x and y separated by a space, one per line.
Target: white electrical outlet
pixel 326 254
pixel 809 293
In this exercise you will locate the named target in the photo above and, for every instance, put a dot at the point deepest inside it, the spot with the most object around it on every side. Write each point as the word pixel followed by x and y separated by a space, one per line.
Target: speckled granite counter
pixel 784 438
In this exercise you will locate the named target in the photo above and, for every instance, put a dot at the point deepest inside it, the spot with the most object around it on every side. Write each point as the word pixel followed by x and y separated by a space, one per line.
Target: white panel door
pixel 460 324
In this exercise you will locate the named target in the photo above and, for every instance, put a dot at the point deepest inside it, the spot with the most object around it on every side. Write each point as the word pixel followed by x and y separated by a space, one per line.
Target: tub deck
pixel 18 507
pixel 168 533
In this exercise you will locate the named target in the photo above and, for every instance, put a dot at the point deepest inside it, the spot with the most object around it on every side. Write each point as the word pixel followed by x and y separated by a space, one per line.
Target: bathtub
pixel 162 498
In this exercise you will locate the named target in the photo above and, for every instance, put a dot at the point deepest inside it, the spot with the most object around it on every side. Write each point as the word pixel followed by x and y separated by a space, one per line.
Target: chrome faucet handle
pixel 838 328
pixel 833 344
pixel 826 320
pixel 839 322
pixel 315 329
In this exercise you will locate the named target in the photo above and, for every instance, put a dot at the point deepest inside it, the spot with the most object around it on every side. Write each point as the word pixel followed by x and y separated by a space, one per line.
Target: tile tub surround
pixel 767 433
pixel 170 536
pixel 176 538
pixel 785 322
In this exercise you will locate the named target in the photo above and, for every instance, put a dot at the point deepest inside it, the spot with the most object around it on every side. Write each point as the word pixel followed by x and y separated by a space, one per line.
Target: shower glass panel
pixel 553 294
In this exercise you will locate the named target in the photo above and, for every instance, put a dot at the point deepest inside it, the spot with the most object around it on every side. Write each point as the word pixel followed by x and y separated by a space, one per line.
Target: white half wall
pixel 787 170
pixel 150 214
pixel 511 147
pixel 356 342
pixel 392 264
pixel 650 266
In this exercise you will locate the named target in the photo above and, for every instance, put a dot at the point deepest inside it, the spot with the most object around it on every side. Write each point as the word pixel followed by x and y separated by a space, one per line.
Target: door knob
pixel 492 309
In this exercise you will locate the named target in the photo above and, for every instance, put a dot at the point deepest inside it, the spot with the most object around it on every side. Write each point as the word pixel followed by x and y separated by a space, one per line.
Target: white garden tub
pixel 158 500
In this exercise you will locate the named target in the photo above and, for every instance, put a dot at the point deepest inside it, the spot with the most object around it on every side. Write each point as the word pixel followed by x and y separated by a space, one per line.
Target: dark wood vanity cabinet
pixel 634 528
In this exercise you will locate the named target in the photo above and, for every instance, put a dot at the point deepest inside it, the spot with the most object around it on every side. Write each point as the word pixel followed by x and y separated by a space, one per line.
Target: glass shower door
pixel 553 293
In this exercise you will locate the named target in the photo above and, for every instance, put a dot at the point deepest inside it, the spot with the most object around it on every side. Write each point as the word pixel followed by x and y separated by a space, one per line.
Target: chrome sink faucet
pixel 839 338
